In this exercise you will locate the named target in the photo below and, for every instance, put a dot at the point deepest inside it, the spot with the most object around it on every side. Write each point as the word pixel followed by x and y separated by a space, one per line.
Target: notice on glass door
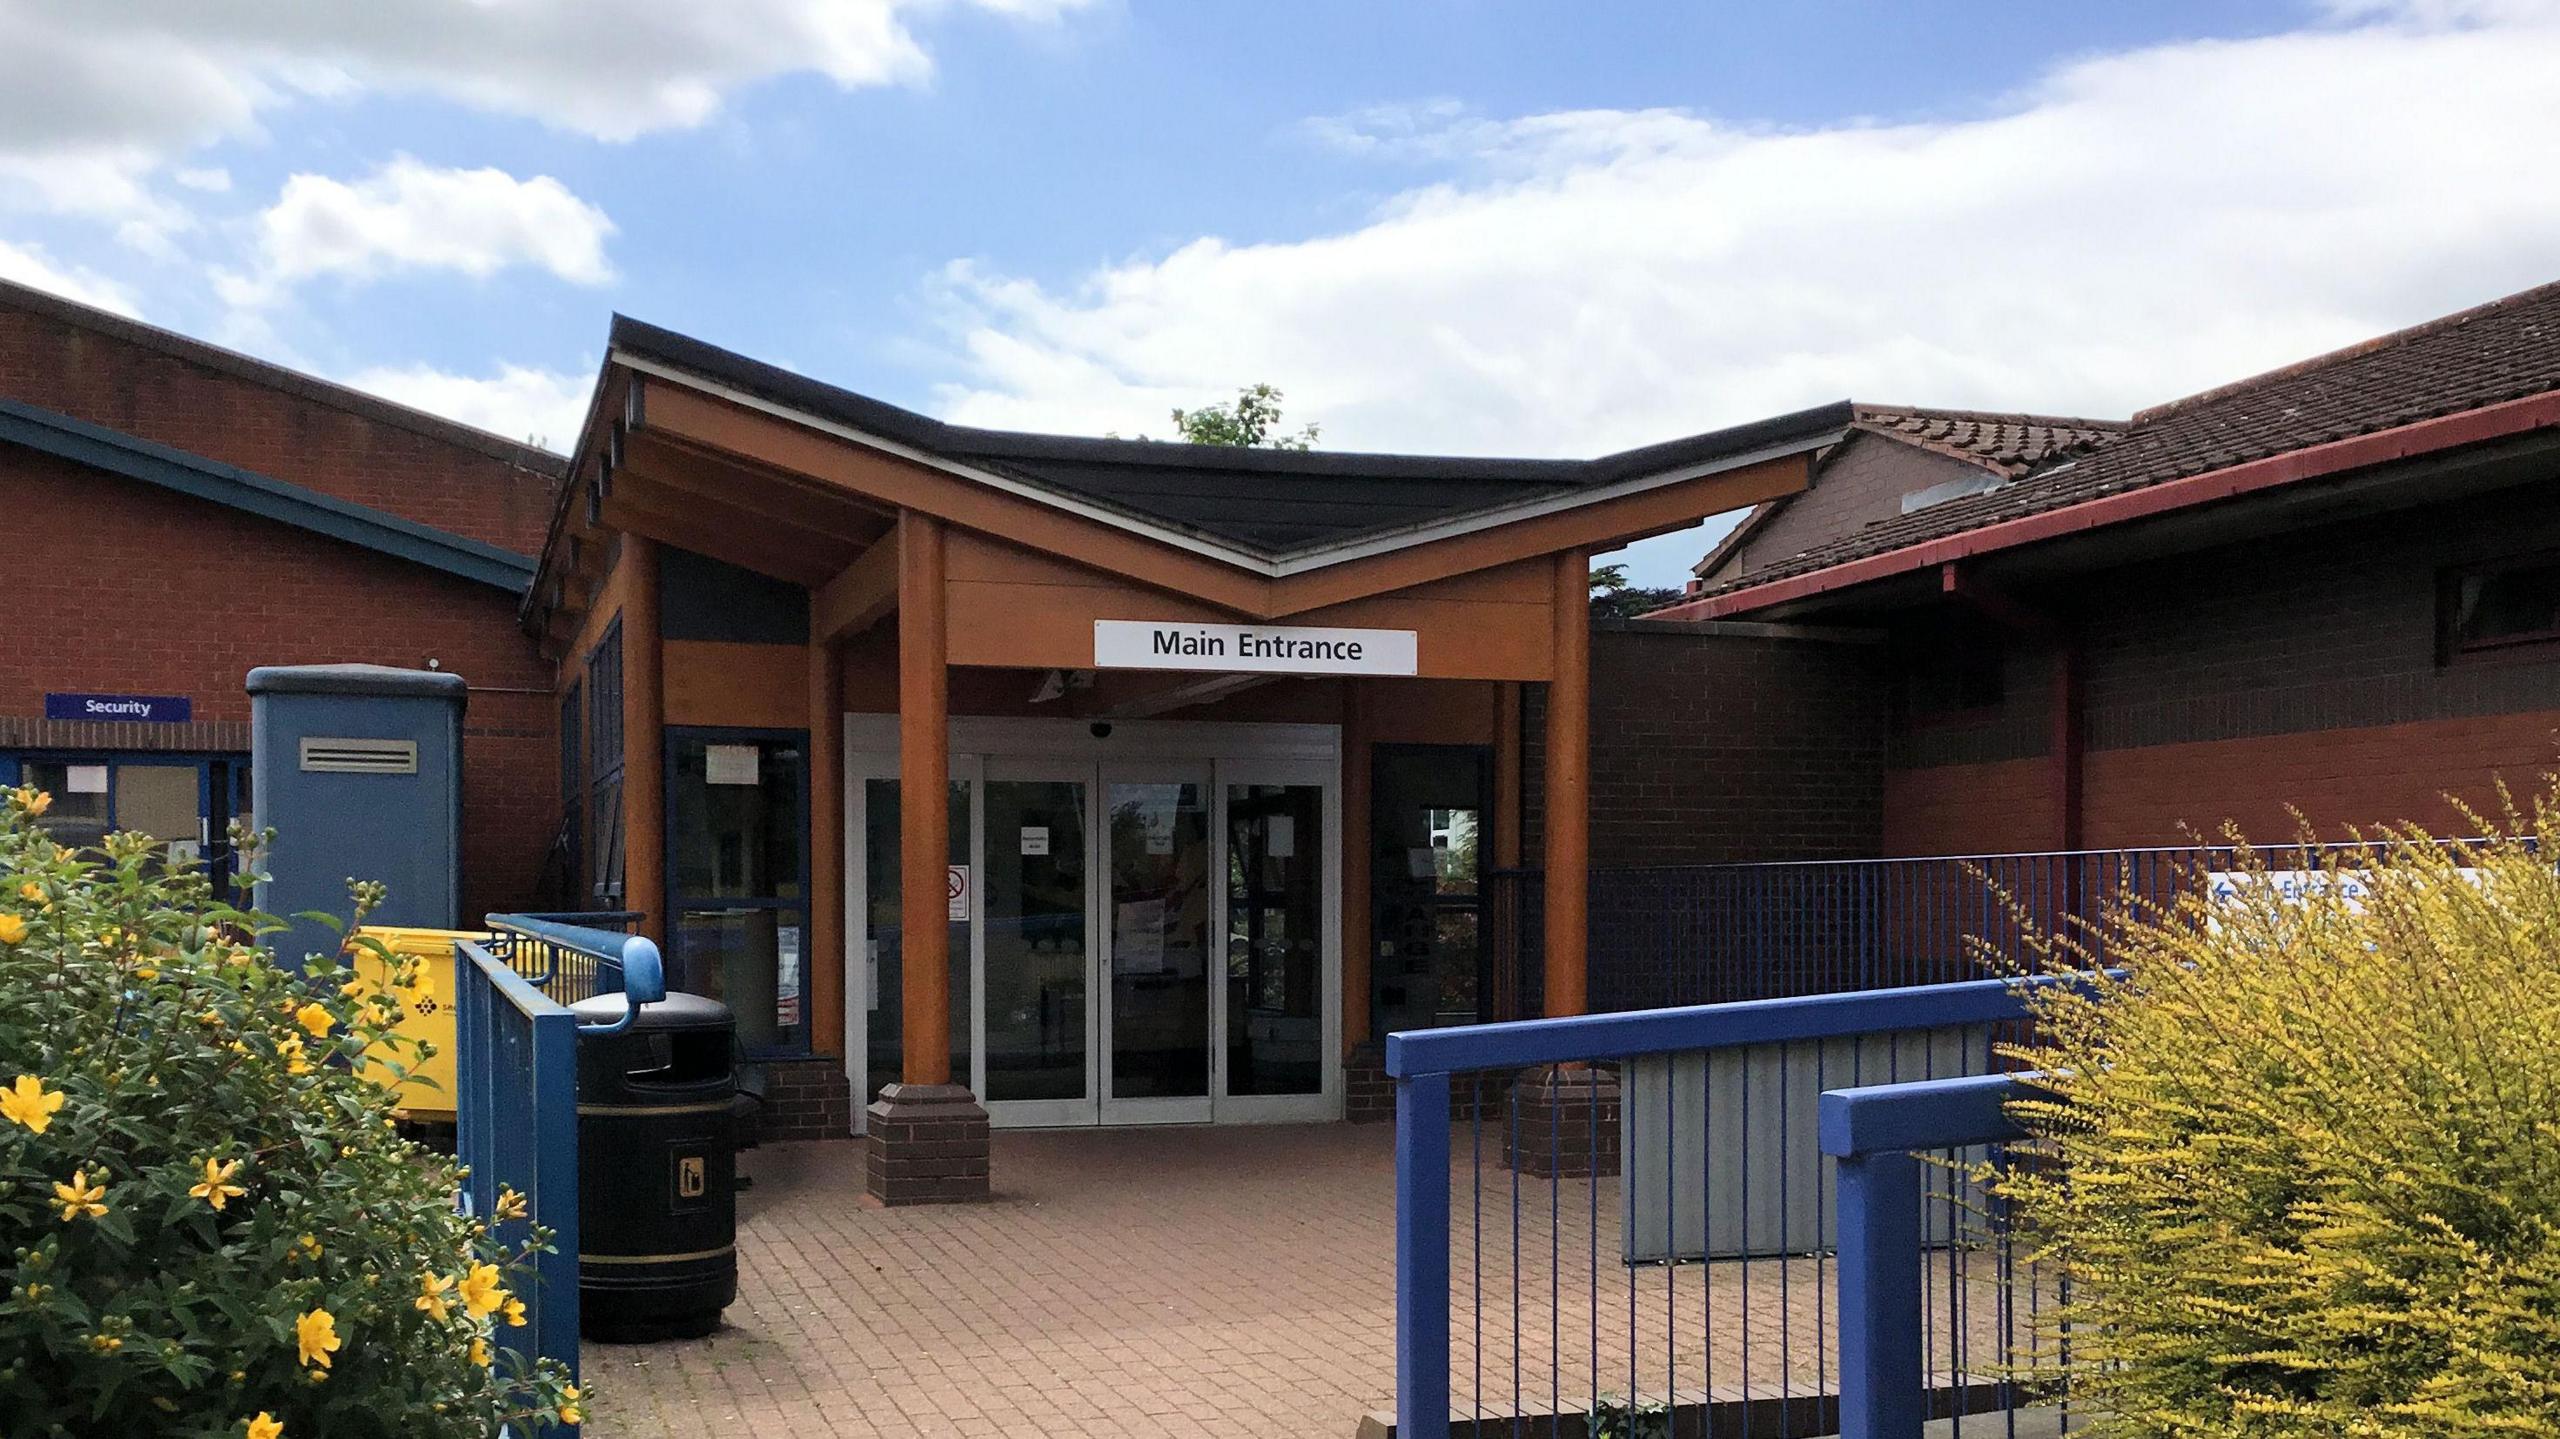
pixel 1035 839
pixel 729 764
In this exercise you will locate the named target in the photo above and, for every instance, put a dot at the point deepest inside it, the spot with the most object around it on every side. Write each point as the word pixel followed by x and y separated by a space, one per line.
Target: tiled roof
pixel 2009 444
pixel 2504 350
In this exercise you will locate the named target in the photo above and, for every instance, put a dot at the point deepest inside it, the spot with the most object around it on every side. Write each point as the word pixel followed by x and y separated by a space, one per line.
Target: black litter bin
pixel 657 1205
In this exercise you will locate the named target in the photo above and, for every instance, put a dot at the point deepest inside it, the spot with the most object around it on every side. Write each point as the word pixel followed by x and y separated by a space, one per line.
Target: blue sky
pixel 1451 225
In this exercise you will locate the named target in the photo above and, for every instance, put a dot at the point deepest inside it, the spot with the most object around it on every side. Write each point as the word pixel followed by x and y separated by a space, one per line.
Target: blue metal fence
pixel 516 1099
pixel 1879 1136
pixel 1664 935
pixel 1526 1302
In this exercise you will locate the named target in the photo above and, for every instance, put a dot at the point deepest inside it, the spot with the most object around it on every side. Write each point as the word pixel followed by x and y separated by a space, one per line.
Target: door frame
pixel 999 769
pixel 1223 753
pixel 1153 1109
pixel 218 775
pixel 1326 1102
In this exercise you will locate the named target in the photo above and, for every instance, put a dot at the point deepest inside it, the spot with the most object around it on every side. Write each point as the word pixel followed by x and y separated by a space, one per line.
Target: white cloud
pixel 2128 228
pixel 545 407
pixel 94 96
pixel 409 216
pixel 30 265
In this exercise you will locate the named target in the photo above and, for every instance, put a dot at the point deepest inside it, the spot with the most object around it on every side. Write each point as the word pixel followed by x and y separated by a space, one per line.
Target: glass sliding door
pixel 878 929
pixel 1156 915
pixel 1035 945
pixel 1151 935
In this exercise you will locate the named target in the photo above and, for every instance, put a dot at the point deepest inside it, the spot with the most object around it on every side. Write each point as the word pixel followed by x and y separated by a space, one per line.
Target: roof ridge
pixel 2344 353
pixel 2015 417
pixel 336 395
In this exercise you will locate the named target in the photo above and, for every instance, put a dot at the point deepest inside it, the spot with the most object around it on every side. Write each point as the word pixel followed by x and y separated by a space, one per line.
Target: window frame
pixel 2451 648
pixel 680 900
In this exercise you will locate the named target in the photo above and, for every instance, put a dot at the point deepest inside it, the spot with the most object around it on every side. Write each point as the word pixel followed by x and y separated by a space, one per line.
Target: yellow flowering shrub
pixel 2305 1154
pixel 209 1227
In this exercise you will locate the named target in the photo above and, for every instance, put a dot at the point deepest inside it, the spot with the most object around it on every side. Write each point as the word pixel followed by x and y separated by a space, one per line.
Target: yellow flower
pixel 13 927
pixel 265 1426
pixel 570 1413
pixel 145 973
pixel 515 1313
pixel 29 1103
pixel 480 1351
pixel 32 799
pixel 481 1293
pixel 316 1334
pixel 217 1188
pixel 310 1244
pixel 315 1017
pixel 80 1199
pixel 435 1295
pixel 31 890
pixel 289 1049
pixel 510 1204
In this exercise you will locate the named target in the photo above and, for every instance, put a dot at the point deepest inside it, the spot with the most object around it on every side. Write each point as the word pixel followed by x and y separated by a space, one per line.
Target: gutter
pixel 2470 427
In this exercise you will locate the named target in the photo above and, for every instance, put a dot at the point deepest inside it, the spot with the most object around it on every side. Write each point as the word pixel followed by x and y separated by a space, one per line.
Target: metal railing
pixel 516 1099
pixel 1635 1234
pixel 1714 933
pixel 1880 1138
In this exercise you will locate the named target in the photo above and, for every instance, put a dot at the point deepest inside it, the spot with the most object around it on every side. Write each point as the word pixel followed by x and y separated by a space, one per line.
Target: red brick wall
pixel 1719 743
pixel 2336 777
pixel 1995 808
pixel 297 430
pixel 141 590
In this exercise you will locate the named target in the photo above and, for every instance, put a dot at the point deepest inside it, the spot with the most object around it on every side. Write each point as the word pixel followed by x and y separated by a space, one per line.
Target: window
pixel 604 756
pixel 573 788
pixel 738 877
pixel 2511 602
pixel 1950 667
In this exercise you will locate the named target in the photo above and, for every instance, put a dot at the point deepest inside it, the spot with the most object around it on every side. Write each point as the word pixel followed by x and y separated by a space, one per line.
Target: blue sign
pixel 150 709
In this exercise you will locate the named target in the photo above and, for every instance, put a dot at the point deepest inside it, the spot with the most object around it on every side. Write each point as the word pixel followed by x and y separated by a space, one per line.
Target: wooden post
pixel 1357 943
pixel 824 957
pixel 1568 808
pixel 644 759
pixel 924 818
pixel 1506 774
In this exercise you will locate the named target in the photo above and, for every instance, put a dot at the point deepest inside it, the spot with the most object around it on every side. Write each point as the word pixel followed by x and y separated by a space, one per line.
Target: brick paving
pixel 1233 1281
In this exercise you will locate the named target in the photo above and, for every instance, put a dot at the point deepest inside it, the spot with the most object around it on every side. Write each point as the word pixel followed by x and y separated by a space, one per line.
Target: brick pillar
pixel 927 1144
pixel 1564 1123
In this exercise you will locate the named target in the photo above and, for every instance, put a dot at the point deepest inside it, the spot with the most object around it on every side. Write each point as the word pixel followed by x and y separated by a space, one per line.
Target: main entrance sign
pixel 1251 649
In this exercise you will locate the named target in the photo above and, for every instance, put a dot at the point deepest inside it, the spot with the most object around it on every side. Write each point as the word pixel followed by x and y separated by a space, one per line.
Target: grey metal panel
pixel 1721 1151
pixel 403 829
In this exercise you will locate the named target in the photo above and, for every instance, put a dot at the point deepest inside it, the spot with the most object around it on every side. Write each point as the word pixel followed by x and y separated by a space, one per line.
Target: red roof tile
pixel 2504 350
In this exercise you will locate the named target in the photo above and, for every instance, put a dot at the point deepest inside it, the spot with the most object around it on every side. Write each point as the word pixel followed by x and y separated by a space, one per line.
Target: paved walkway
pixel 1159 1282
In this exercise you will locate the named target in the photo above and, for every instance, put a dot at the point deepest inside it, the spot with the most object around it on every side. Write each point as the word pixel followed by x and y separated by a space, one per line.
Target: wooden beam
pixel 788 499
pixel 827 955
pixel 1568 778
pixel 861 595
pixel 745 547
pixel 924 818
pixel 644 790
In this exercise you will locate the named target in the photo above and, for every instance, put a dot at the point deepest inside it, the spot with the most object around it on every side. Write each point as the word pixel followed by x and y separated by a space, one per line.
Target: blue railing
pixel 1687 1313
pixel 516 1099
pixel 1877 1136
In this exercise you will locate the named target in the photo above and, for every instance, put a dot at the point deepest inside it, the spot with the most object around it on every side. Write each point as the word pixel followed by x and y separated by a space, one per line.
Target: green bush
pixel 2306 1154
pixel 210 1225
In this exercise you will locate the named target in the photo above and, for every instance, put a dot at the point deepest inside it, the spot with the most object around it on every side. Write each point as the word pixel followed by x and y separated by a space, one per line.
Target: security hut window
pixel 2490 607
